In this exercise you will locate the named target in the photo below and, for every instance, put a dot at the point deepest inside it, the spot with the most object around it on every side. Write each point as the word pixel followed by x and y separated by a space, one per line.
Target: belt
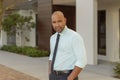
pixel 62 72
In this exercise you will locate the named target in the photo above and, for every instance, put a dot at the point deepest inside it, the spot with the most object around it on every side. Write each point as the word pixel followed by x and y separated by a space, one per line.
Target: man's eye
pixel 60 21
pixel 53 22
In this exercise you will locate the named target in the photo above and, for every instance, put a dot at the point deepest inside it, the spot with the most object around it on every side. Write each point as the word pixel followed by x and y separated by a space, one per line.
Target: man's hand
pixel 74 73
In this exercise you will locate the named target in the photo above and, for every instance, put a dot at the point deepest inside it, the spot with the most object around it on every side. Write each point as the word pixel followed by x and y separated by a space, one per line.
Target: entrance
pixel 102 32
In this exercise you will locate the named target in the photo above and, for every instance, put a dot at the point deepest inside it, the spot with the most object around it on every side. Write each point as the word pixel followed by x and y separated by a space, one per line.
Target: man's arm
pixel 74 73
pixel 80 54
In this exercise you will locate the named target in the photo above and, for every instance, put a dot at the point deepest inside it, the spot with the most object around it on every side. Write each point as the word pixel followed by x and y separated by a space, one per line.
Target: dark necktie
pixel 55 51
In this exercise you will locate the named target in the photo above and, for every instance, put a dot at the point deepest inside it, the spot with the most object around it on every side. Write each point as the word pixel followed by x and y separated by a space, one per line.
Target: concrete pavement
pixel 38 67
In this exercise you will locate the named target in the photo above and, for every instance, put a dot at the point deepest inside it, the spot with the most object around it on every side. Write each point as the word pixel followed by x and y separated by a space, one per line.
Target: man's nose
pixel 56 24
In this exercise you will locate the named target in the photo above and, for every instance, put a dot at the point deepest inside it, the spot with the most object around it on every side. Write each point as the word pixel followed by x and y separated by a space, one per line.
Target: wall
pixel 87 27
pixel 44 29
pixel 20 40
pixel 112 31
pixel 3 38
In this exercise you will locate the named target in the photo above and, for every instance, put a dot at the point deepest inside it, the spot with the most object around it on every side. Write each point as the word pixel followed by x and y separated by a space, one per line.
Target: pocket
pixel 50 77
pixel 76 78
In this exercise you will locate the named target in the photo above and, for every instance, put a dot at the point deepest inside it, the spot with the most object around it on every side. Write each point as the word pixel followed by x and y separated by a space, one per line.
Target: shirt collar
pixel 64 30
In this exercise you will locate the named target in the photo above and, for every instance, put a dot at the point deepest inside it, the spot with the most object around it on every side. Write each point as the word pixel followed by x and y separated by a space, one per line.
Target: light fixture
pixel 29 0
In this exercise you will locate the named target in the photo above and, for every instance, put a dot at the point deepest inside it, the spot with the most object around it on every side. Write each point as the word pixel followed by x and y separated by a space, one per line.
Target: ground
pixel 10 74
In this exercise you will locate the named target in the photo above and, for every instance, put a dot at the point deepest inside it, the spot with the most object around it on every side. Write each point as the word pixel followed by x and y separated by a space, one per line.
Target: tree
pixel 16 24
pixel 7 5
pixel 1 10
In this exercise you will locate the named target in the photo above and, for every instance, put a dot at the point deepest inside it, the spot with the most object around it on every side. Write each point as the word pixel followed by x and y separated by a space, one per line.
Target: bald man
pixel 70 56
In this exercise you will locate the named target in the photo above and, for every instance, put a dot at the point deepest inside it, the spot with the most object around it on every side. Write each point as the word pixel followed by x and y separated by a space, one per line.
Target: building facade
pixel 87 25
pixel 98 22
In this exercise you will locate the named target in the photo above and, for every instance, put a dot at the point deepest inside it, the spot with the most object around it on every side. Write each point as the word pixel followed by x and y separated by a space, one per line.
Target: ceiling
pixel 64 2
pixel 72 2
pixel 59 2
pixel 11 3
pixel 108 1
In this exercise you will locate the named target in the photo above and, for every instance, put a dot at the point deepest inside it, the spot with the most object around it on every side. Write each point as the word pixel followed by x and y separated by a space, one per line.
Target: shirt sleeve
pixel 51 51
pixel 79 51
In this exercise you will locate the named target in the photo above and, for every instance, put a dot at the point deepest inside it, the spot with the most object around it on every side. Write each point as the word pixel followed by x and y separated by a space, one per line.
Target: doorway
pixel 102 32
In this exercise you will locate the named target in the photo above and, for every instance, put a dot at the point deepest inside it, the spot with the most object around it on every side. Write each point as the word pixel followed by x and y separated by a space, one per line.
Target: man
pixel 70 54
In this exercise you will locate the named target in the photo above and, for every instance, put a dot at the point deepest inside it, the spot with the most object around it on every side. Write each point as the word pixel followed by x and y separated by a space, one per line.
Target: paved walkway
pixel 38 67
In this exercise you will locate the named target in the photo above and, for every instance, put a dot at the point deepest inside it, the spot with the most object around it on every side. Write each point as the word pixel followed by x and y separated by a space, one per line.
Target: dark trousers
pixel 54 76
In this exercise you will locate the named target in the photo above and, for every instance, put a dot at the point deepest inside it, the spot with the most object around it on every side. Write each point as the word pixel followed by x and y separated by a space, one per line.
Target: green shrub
pixel 117 70
pixel 29 51
pixel 5 48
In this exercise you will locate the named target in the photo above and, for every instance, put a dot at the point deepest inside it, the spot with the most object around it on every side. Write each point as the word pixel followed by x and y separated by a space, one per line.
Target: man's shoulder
pixel 74 34
pixel 53 35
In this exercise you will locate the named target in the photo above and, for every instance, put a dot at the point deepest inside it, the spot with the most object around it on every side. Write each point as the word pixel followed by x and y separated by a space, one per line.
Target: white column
pixel 3 38
pixel 86 14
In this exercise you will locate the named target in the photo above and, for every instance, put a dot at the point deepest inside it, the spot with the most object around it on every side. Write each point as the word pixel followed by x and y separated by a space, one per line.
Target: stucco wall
pixel 3 38
pixel 112 31
pixel 87 27
pixel 20 40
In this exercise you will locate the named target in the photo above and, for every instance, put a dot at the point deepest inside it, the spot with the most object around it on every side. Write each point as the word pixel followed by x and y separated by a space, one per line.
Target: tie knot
pixel 58 35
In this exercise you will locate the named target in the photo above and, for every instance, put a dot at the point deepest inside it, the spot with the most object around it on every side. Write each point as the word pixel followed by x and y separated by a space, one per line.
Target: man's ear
pixel 65 19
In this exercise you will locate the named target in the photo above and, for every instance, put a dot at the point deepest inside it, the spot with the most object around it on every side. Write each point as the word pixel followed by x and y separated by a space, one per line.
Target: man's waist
pixel 61 72
pixel 63 68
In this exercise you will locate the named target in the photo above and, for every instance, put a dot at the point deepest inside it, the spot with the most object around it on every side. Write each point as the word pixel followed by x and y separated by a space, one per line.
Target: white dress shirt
pixel 71 50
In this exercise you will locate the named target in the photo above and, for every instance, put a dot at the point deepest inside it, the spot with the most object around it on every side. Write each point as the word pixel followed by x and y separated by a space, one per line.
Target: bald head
pixel 58 21
pixel 58 13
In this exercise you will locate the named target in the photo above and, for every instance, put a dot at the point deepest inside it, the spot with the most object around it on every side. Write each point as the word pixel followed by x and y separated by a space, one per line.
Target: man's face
pixel 58 22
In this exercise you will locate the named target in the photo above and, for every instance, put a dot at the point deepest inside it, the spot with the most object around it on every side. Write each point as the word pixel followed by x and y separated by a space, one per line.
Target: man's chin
pixel 58 31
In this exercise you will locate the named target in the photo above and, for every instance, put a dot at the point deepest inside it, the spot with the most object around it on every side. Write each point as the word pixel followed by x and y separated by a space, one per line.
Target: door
pixel 102 32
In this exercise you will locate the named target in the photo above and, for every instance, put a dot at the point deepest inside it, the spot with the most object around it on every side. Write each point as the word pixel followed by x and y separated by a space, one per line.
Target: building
pixel 98 21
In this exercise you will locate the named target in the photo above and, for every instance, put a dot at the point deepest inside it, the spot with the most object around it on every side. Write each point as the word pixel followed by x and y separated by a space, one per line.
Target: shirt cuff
pixel 81 65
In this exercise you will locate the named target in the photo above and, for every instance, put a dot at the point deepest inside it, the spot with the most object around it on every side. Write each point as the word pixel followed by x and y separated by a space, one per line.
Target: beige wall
pixel 112 31
pixel 20 40
pixel 3 38
pixel 87 27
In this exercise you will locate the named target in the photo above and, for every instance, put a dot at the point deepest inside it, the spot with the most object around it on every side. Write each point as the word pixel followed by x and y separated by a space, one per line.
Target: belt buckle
pixel 66 71
pixel 62 72
pixel 57 73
